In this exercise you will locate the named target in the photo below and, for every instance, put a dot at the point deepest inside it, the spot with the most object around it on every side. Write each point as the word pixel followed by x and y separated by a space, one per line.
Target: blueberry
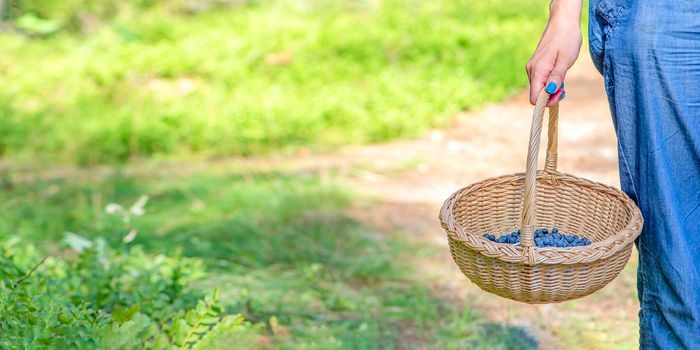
pixel 502 239
pixel 555 230
pixel 538 242
pixel 569 239
pixel 544 230
pixel 556 236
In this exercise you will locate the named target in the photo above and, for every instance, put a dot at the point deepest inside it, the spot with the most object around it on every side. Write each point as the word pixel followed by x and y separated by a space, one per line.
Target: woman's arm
pixel 557 50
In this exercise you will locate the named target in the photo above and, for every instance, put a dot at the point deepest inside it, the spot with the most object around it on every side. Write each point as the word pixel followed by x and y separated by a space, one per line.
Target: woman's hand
pixel 557 50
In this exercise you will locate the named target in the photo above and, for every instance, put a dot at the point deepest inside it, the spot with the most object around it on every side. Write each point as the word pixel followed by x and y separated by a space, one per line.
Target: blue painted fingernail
pixel 561 97
pixel 551 88
pixel 562 85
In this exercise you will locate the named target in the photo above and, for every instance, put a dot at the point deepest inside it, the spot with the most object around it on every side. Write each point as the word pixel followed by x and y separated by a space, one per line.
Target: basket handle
pixel 527 235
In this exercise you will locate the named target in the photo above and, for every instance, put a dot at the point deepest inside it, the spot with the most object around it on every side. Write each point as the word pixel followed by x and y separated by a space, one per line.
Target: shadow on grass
pixel 279 246
pixel 510 337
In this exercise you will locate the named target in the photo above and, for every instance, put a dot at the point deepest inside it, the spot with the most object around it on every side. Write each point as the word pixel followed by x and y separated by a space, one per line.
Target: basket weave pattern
pixel 535 199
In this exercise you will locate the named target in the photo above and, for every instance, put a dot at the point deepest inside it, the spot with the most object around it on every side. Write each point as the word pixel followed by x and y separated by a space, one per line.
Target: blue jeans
pixel 649 55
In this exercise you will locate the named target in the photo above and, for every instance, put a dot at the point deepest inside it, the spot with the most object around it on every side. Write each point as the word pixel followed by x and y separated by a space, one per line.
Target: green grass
pixel 279 247
pixel 266 76
pixel 113 82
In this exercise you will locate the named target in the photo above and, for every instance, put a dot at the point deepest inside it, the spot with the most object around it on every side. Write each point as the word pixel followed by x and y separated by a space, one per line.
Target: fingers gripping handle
pixel 527 235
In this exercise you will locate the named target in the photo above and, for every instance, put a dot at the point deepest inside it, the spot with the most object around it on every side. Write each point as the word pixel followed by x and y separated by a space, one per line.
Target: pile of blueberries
pixel 543 238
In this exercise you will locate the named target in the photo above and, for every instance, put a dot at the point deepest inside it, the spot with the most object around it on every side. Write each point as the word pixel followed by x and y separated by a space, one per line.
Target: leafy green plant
pixel 104 298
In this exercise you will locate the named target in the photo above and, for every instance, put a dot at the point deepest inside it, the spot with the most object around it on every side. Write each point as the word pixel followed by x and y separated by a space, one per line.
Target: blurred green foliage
pixel 107 81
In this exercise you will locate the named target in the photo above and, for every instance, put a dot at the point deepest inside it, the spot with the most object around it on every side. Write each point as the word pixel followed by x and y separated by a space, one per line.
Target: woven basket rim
pixel 548 255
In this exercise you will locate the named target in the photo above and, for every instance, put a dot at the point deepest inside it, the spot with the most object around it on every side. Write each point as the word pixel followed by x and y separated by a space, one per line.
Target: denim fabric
pixel 649 55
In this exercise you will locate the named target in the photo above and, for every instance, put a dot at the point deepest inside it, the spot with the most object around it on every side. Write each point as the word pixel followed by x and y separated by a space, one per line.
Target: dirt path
pixel 412 178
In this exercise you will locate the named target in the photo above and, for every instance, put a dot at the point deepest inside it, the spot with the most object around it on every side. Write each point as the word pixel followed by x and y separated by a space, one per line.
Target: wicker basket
pixel 548 198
